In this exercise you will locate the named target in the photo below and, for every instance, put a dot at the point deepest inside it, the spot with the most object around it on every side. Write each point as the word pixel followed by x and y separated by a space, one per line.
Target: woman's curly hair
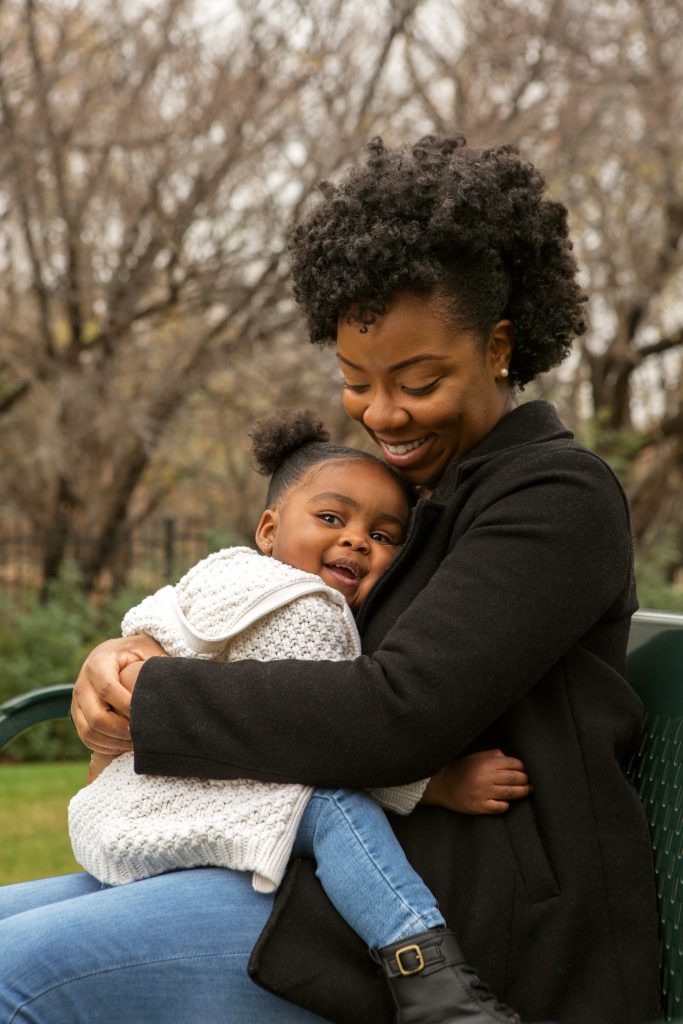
pixel 470 226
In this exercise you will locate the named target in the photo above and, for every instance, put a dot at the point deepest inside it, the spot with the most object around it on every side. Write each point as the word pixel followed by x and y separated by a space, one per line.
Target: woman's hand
pixel 98 762
pixel 481 783
pixel 100 707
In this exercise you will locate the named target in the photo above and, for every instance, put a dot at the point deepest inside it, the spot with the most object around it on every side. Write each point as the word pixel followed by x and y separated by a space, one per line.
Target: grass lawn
pixel 33 801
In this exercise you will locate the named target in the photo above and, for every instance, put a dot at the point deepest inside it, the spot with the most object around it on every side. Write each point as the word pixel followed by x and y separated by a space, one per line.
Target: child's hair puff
pixel 286 444
pixel 275 437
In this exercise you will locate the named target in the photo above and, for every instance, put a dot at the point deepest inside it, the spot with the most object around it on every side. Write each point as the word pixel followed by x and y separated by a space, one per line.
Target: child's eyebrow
pixel 346 499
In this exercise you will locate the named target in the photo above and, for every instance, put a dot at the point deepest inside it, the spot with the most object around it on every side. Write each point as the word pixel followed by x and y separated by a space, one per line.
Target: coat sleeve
pixel 540 564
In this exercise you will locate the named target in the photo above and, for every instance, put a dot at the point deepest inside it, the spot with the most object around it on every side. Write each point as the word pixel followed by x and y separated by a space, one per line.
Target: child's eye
pixel 384 538
pixel 330 517
pixel 424 390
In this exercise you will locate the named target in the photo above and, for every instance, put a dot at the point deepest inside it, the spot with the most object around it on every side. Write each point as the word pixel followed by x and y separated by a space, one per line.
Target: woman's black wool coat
pixel 503 622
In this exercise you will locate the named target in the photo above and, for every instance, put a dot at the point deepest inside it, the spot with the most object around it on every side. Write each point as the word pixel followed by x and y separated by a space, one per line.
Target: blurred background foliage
pixel 152 157
pixel 43 642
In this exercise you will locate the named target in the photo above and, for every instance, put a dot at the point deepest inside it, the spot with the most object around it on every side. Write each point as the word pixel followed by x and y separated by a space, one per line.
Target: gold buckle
pixel 420 960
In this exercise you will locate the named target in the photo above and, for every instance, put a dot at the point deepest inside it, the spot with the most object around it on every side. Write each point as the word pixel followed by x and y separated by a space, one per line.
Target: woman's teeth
pixel 402 449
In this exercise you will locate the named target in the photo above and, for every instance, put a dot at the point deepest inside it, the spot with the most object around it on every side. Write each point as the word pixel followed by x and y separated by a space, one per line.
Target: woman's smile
pixel 401 454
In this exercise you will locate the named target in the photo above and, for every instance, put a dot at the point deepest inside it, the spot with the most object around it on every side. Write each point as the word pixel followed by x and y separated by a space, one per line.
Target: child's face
pixel 344 521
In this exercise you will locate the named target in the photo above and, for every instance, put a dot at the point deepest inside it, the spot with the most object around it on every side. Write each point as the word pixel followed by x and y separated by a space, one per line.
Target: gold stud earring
pixel 504 372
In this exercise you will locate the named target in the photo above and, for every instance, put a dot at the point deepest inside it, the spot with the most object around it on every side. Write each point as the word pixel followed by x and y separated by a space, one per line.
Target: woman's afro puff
pixel 470 225
pixel 274 438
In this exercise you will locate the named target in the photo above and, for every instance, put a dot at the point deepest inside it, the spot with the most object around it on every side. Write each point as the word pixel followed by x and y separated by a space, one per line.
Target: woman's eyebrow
pixel 424 357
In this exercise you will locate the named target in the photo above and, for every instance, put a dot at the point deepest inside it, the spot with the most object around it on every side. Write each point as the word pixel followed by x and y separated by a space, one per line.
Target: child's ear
pixel 266 531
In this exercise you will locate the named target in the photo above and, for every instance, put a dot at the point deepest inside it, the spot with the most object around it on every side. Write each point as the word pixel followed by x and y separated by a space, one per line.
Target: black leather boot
pixel 432 984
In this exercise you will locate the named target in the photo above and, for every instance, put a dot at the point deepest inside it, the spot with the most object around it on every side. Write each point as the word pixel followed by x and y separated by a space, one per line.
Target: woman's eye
pixel 357 389
pixel 330 517
pixel 424 390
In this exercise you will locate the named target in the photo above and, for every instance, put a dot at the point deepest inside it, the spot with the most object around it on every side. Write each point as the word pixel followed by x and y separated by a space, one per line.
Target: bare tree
pixel 592 92
pixel 152 158
pixel 150 164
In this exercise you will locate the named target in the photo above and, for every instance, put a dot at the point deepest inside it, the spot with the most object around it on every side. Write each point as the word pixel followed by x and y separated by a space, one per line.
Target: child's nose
pixel 357 540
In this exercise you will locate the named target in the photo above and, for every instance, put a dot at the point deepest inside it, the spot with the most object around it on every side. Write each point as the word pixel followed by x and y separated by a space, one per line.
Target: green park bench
pixel 655 670
pixel 29 709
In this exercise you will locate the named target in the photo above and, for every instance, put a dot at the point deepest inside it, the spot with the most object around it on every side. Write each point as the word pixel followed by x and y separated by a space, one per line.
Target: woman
pixel 447 279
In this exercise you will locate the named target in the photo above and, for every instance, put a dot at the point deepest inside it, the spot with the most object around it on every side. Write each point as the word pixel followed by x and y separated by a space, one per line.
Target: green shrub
pixel 45 643
pixel 653 573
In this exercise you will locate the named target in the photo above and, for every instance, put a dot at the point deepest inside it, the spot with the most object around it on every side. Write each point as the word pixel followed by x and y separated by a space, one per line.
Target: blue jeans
pixel 168 950
pixel 175 947
pixel 363 869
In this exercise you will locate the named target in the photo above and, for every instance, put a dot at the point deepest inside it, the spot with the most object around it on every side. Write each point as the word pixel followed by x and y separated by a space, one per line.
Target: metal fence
pixel 155 553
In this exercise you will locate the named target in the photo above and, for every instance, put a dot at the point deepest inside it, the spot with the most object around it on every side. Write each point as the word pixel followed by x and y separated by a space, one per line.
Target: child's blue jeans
pixel 363 869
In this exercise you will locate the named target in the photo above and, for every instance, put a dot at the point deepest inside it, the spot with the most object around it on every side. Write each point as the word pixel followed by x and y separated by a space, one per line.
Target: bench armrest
pixel 21 713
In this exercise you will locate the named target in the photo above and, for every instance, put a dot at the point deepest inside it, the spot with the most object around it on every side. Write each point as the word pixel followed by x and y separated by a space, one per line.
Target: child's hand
pixel 481 783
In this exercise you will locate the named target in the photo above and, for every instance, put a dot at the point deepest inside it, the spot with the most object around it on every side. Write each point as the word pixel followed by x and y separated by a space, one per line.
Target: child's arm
pixel 480 783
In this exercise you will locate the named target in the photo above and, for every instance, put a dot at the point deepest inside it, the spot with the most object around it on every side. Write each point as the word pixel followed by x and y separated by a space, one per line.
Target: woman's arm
pixel 536 570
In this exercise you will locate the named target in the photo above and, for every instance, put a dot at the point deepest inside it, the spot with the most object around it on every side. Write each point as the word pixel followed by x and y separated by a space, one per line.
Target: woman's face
pixel 425 392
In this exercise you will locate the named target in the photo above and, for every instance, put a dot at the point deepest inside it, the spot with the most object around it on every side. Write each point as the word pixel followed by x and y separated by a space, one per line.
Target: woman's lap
pixel 15 899
pixel 171 948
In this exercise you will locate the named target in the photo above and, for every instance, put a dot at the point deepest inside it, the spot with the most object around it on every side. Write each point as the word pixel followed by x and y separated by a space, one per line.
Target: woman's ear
pixel 499 348
pixel 266 531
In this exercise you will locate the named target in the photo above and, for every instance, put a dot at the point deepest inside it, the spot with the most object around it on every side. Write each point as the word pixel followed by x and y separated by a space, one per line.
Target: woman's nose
pixel 382 413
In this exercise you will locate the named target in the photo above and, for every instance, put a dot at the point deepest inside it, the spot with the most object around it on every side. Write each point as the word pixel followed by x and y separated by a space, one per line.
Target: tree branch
pixel 71 223
pixel 15 396
pixel 403 10
pixel 38 285
pixel 662 345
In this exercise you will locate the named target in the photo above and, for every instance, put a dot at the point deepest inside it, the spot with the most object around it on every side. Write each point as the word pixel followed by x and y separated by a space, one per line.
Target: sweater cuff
pixel 400 799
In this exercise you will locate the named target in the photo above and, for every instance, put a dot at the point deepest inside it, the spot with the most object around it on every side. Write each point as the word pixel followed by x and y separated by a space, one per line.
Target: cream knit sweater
pixel 235 604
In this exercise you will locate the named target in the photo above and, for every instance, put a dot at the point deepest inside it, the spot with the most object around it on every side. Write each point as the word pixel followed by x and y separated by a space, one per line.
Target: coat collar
pixel 527 424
